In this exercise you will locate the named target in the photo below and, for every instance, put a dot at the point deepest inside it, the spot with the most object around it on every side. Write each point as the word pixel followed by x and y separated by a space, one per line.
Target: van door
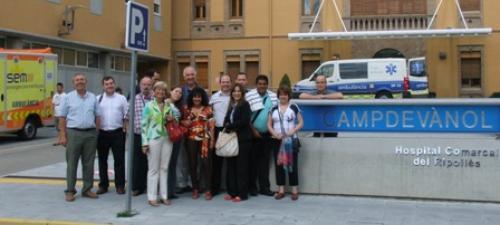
pixel 417 76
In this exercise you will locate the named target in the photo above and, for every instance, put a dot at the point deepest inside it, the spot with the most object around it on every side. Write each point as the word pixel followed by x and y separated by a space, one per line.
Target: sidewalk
pixel 37 200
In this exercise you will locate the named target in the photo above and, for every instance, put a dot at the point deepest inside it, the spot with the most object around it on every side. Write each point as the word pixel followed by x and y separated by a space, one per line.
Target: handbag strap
pixel 283 132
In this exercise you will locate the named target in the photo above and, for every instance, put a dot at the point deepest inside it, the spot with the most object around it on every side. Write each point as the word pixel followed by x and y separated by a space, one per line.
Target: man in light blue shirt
pixel 79 120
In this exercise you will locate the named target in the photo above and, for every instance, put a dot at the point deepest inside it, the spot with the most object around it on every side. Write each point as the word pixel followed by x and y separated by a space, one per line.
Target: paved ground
pixel 35 196
pixel 26 195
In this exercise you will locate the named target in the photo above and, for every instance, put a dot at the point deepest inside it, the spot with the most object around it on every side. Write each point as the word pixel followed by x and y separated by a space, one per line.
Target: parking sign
pixel 137 32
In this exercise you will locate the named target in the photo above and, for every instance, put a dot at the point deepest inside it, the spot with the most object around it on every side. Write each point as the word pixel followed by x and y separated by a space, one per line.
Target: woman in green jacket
pixel 156 144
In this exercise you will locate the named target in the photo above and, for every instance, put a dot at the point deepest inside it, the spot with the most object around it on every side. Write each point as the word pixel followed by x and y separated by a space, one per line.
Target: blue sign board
pixel 137 32
pixel 422 117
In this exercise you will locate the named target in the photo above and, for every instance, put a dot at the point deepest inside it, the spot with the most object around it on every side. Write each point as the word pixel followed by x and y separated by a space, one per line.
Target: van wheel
pixel 29 130
pixel 383 95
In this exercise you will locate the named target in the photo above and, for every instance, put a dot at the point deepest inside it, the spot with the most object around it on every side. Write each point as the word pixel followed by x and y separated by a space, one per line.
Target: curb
pixel 16 221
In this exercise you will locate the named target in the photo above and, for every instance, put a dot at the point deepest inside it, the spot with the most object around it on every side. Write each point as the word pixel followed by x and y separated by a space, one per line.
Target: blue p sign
pixel 137 32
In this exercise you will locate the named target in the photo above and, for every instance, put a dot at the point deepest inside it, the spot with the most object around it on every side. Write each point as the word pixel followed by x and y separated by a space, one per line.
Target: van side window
pixel 326 70
pixel 353 70
pixel 417 68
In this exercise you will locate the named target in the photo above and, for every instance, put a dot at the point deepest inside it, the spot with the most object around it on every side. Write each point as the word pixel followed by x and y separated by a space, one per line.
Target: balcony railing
pixel 392 22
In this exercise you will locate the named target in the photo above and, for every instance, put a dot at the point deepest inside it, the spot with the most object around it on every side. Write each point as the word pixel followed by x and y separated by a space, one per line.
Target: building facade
pixel 229 36
pixel 87 35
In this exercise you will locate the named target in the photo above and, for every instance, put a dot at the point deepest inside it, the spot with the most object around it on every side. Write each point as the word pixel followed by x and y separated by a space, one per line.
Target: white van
pixel 361 78
pixel 417 77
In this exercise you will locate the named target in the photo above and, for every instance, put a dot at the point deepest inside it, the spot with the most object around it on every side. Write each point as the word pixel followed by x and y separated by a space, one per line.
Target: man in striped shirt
pixel 261 101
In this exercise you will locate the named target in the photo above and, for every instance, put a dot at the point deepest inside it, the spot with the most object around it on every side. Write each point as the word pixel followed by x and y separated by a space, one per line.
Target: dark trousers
pixel 193 149
pixel 140 172
pixel 237 171
pixel 293 177
pixel 172 168
pixel 115 140
pixel 217 162
pixel 259 163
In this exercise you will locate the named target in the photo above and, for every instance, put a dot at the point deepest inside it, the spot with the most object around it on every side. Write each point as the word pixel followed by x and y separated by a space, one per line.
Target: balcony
pixel 392 22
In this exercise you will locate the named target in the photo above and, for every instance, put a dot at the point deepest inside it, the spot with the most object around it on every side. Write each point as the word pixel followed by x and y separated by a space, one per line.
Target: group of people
pixel 266 123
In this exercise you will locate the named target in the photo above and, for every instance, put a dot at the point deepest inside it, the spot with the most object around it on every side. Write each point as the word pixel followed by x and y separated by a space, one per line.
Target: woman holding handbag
pixel 238 120
pixel 285 120
pixel 175 100
pixel 156 144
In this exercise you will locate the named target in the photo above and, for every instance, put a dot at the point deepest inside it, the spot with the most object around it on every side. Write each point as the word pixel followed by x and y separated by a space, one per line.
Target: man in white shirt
pixel 113 108
pixel 56 104
pixel 219 102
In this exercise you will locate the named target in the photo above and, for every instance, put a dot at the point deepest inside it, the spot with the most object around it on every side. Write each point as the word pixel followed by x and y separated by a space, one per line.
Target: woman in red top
pixel 198 118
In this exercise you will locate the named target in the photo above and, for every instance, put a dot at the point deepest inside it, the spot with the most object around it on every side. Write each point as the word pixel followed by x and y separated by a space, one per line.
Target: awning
pixel 386 34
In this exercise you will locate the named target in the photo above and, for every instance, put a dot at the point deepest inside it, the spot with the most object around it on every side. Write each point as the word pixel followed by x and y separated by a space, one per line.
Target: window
pixel 470 65
pixel 353 70
pixel 310 7
pixel 252 68
pixel 387 7
pixel 120 63
pixel 417 68
pixel 59 53
pixel 200 10
pixel 243 61
pixel 470 5
pixel 2 42
pixel 157 7
pixel 96 7
pixel 326 70
pixel 236 8
pixel 93 60
pixel 310 61
pixel 81 58
pixel 68 57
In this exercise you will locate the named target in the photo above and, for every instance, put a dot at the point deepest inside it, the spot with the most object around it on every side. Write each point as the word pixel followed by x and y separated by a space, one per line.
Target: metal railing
pixel 392 22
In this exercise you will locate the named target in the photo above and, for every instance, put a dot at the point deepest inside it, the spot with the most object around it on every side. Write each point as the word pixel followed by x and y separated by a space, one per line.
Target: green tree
pixel 285 81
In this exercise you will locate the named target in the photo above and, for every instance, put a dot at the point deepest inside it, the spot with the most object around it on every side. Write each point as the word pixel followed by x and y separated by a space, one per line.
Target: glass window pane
pixel 69 57
pixel 59 53
pixel 119 63
pixel 126 64
pixel 2 42
pixel 353 70
pixel 81 58
pixel 93 60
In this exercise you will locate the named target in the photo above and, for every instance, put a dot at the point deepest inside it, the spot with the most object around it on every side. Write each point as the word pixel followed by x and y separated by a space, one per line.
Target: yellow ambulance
pixel 27 83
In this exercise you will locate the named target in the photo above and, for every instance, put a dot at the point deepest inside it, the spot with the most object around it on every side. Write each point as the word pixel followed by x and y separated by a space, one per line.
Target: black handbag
pixel 296 144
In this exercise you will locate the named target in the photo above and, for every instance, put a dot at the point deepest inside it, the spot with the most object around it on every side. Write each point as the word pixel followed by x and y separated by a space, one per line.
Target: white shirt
pixel 288 118
pixel 113 110
pixel 57 102
pixel 219 102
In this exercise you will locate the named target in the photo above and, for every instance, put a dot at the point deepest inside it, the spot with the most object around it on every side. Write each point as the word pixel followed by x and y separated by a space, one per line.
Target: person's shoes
pixel 267 193
pixel 55 144
pixel 295 196
pixel 69 197
pixel 119 190
pixel 137 193
pixel 195 194
pixel 253 193
pixel 173 197
pixel 154 203
pixel 89 194
pixel 101 191
pixel 228 197
pixel 279 195
pixel 208 196
pixel 166 202
pixel 236 199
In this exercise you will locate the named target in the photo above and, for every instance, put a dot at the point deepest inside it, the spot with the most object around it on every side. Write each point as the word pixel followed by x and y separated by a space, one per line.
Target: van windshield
pixel 417 68
pixel 326 70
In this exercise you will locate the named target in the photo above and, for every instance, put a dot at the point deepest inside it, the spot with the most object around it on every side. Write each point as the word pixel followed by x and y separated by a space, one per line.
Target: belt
pixel 111 131
pixel 82 129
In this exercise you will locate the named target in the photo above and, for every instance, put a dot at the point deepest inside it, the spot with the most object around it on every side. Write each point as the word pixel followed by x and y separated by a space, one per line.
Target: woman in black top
pixel 238 119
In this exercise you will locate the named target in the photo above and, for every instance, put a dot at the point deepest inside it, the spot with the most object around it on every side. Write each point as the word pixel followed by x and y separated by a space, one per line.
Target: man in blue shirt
pixel 79 121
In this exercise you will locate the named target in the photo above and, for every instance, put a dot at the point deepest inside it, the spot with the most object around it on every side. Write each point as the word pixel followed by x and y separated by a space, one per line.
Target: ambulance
pixel 27 83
